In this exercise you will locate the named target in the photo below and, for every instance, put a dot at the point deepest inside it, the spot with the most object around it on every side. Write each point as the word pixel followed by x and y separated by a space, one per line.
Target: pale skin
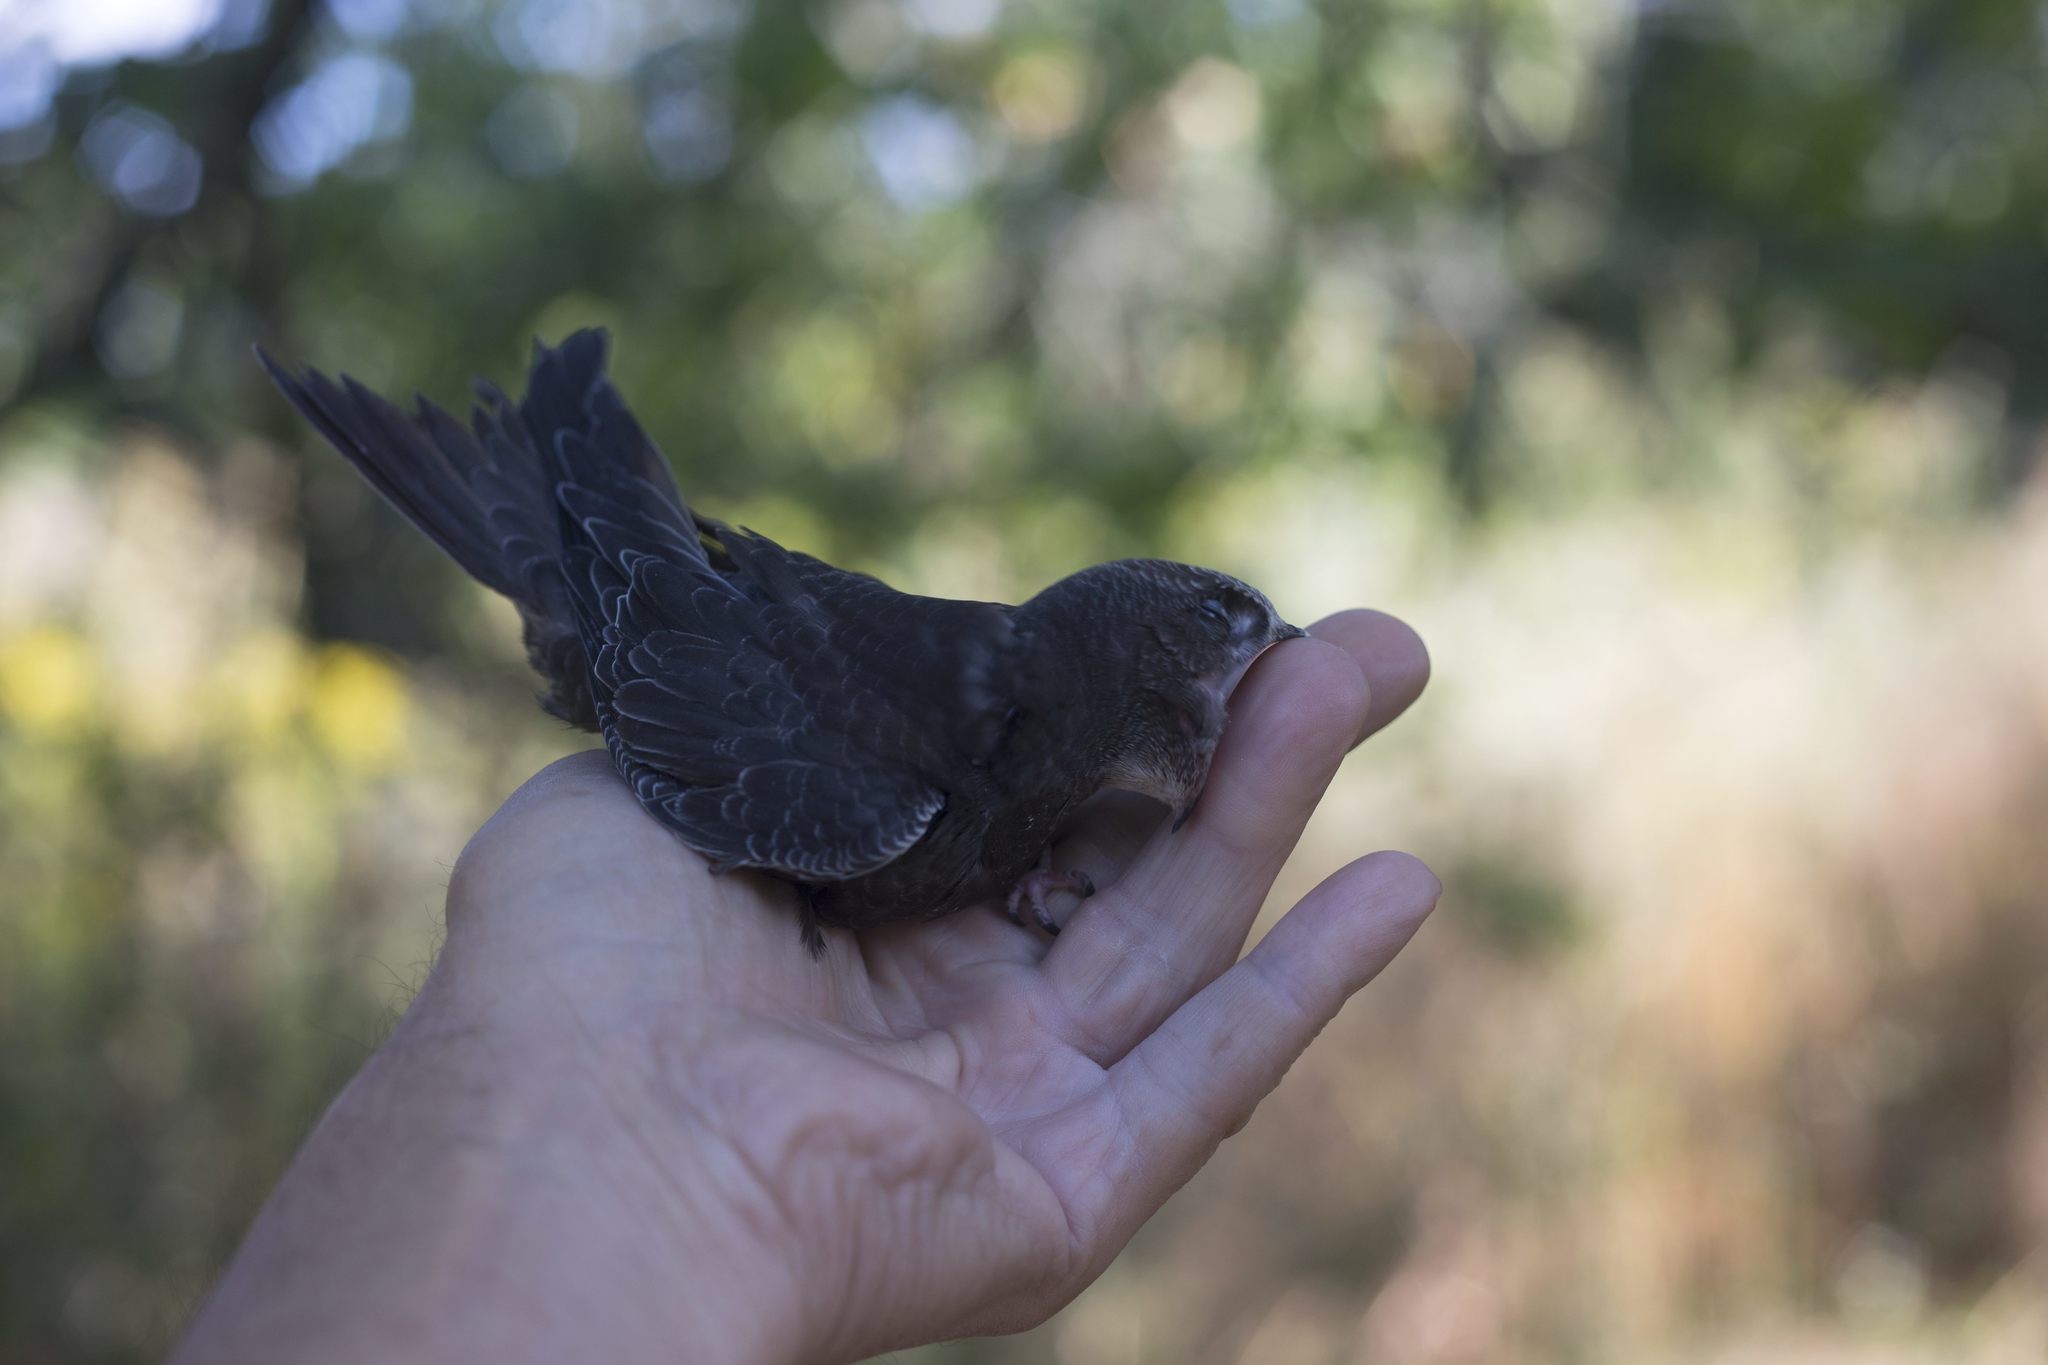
pixel 630 1119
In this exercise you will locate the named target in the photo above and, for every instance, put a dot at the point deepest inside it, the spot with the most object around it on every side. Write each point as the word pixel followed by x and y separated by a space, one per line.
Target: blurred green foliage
pixel 1679 366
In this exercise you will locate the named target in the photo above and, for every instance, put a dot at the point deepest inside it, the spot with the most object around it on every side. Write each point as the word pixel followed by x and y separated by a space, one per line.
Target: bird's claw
pixel 1033 887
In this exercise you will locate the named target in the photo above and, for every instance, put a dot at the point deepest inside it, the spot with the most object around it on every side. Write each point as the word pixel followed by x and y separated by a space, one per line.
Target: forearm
pixel 427 1215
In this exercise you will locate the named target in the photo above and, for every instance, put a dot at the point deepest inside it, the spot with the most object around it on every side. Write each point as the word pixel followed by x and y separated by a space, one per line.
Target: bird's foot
pixel 807 922
pixel 1033 887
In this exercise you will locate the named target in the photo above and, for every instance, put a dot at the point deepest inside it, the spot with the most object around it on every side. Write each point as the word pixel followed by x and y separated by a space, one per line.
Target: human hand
pixel 957 1126
pixel 678 1125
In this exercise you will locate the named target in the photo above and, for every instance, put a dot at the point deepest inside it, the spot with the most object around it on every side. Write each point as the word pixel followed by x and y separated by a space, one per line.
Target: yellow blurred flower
pixel 359 707
pixel 261 681
pixel 1041 95
pixel 832 380
pixel 49 681
pixel 283 820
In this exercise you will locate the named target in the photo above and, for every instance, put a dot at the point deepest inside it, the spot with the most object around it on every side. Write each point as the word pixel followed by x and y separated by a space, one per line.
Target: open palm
pixel 950 1126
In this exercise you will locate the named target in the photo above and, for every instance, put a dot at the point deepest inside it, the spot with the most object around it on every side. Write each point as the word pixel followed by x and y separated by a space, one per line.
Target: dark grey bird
pixel 894 756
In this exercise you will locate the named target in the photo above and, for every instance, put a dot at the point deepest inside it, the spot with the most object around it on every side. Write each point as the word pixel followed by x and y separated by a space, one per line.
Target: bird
pixel 890 755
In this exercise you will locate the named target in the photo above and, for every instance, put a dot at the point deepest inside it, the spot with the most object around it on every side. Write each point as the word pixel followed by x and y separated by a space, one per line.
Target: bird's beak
pixel 1219 686
pixel 1223 682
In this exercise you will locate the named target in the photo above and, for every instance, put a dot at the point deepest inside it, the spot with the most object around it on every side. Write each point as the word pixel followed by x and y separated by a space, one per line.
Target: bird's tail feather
pixel 493 494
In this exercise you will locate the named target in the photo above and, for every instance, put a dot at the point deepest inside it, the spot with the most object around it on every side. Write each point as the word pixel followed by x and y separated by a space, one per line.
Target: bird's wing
pixel 776 714
pixel 952 663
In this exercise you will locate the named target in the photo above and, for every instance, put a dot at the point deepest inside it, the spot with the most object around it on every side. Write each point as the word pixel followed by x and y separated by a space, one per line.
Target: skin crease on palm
pixel 726 1150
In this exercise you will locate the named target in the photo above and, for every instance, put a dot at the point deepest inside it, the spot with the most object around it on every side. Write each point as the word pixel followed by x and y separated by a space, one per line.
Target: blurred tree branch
pixel 239 84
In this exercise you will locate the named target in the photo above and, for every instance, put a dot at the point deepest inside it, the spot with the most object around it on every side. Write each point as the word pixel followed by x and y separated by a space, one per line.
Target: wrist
pixel 490 1190
pixel 591 1199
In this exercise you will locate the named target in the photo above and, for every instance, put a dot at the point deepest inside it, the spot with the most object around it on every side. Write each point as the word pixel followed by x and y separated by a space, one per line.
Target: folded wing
pixel 774 711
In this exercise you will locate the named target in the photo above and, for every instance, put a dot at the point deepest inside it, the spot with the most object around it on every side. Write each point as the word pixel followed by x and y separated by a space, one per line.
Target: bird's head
pixel 1183 636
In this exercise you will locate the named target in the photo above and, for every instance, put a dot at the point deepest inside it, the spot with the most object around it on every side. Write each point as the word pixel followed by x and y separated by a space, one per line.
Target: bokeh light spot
pixel 48 682
pixel 140 160
pixel 349 102
pixel 688 134
pixel 923 155
pixel 953 19
pixel 358 707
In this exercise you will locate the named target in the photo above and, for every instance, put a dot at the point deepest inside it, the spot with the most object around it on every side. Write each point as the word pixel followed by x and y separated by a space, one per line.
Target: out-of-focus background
pixel 1680 369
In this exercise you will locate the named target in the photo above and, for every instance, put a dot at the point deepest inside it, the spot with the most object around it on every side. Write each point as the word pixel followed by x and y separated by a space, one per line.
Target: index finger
pixel 1180 913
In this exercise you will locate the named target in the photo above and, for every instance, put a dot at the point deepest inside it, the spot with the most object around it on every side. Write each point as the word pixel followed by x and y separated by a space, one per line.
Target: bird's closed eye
pixel 1214 609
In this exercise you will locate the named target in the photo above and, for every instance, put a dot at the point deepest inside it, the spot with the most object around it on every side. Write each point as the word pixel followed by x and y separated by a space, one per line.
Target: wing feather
pixel 748 699
pixel 775 711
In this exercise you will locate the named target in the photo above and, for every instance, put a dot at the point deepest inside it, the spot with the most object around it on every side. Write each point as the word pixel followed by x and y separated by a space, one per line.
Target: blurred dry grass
pixel 1730 1042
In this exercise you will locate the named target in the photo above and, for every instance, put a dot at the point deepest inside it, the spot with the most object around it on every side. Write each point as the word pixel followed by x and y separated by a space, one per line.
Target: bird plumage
pixel 894 755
